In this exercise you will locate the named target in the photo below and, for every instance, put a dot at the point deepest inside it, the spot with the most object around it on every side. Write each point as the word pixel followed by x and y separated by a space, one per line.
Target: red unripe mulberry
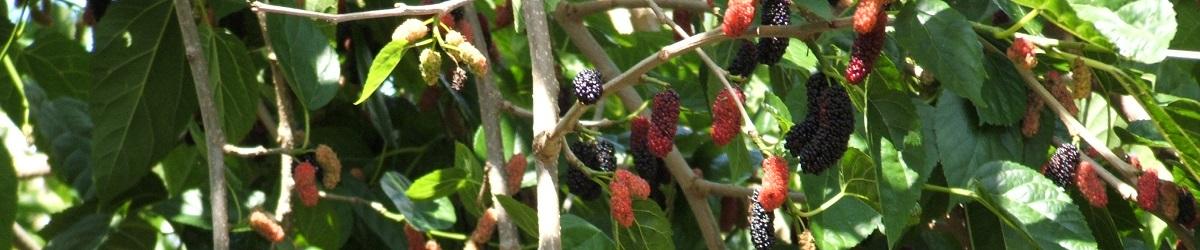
pixel 415 238
pixel 738 17
pixel 267 227
pixel 1090 185
pixel 775 183
pixel 637 186
pixel 1147 188
pixel 305 178
pixel 663 120
pixel 727 119
pixel 485 227
pixel 622 204
pixel 865 51
pixel 867 15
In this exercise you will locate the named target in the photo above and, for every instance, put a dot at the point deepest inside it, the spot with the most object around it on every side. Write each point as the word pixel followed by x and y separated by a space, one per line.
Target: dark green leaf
pixel 1041 211
pixel 963 145
pixel 184 169
pixel 1188 35
pixel 465 160
pixel 1005 98
pixel 133 233
pixel 522 215
pixel 143 95
pixel 844 224
pixel 739 159
pixel 382 67
pixel 437 184
pixel 63 130
pixel 8 195
pixel 1141 29
pixel 424 216
pixel 942 41
pixel 60 65
pixel 85 233
pixel 308 59
pixel 236 91
pixel 650 230
pixel 326 225
pixel 579 234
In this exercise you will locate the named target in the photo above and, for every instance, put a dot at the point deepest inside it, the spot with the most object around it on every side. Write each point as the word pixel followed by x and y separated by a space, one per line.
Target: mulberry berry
pixel 580 185
pixel 513 171
pixel 775 183
pixel 664 118
pixel 732 210
pixel 266 227
pixel 771 49
pixel 414 237
pixel 1022 52
pixel 738 17
pixel 1090 185
pixel 761 233
pixel 775 12
pixel 637 186
pixel 1168 198
pixel 747 58
pixel 683 18
pixel 485 227
pixel 1147 187
pixel 645 162
pixel 1061 168
pixel 1033 115
pixel 867 16
pixel 305 177
pixel 833 115
pixel 411 30
pixel 1060 92
pixel 504 15
pixel 588 86
pixel 1187 208
pixel 727 119
pixel 431 66
pixel 621 204
pixel 330 166
pixel 606 158
pixel 865 51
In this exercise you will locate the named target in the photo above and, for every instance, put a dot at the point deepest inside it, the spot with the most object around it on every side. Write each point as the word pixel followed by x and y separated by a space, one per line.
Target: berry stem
pixel 1020 23
pixel 828 203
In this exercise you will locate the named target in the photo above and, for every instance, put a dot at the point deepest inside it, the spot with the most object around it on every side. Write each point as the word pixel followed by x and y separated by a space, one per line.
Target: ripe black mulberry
pixel 588 86
pixel 1062 165
pixel 761 233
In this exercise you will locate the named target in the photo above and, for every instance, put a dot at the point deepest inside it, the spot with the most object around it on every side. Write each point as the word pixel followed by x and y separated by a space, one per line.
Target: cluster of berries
pixel 1166 199
pixel 626 186
pixel 821 139
pixel 870 19
pixel 769 49
pixel 305 174
pixel 1066 169
pixel 596 155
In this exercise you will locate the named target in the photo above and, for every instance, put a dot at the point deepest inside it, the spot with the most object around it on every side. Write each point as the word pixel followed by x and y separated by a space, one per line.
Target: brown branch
pixel 545 110
pixel 580 9
pixel 728 190
pixel 212 123
pixel 259 151
pixel 513 109
pixel 284 133
pixel 400 10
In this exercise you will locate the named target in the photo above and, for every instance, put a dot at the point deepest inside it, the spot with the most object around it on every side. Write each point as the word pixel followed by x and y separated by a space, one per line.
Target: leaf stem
pixel 828 203
pixel 951 190
pixel 1020 23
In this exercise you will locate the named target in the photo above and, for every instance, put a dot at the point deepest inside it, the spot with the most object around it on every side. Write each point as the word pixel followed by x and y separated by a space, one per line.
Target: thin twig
pixel 581 9
pixel 729 190
pixel 284 133
pixel 215 138
pixel 22 240
pixel 260 151
pixel 402 10
pixel 513 109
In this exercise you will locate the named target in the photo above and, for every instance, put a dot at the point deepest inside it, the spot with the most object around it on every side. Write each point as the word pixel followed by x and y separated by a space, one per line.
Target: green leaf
pixel 941 40
pixel 182 169
pixel 1062 14
pixel 61 66
pixel 1141 29
pixel 236 91
pixel 1165 121
pixel 465 160
pixel 1188 35
pixel 143 95
pixel 1041 212
pixel 579 234
pixel 8 195
pixel 1005 98
pixel 382 67
pixel 63 130
pixel 650 230
pixel 437 184
pixel 309 61
pixel 85 233
pixel 424 216
pixel 739 159
pixel 899 190
pixel 522 215
pixel 963 145
pixel 326 225
pixel 844 224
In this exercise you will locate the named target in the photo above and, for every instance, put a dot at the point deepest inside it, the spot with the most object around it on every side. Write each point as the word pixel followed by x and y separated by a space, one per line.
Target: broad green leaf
pixel 465 160
pixel 86 233
pixel 650 230
pixel 899 190
pixel 326 225
pixel 8 195
pixel 142 97
pixel 941 41
pixel 1188 35
pixel 522 215
pixel 1104 228
pixel 424 216
pixel 1141 29
pixel 383 227
pixel 858 174
pixel 905 149
pixel 963 145
pixel 235 89
pixel 437 184
pixel 309 62
pixel 1041 211
pixel 1062 14
pixel 1005 98
pixel 183 169
pixel 579 234
pixel 845 224
pixel 382 67
pixel 739 159
pixel 1165 121
pixel 63 130
pixel 60 65
pixel 132 233
pixel 11 98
